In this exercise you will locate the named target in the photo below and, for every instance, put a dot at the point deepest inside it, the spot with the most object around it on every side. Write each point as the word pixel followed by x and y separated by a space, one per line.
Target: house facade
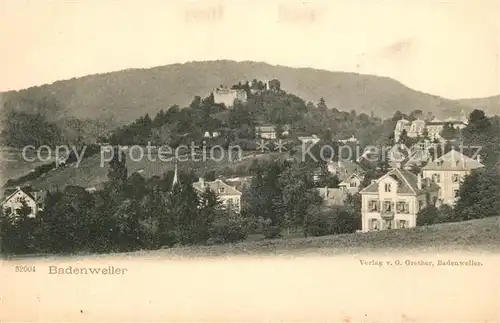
pixel 448 172
pixel 271 131
pixel 351 183
pixel 223 95
pixel 416 128
pixel 393 201
pixel 349 174
pixel 228 195
pixel 14 202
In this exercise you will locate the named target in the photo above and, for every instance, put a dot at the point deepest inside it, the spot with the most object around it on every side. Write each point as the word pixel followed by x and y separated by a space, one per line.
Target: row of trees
pixel 133 213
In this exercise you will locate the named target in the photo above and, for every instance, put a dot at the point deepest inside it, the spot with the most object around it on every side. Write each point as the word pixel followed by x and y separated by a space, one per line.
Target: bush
pixel 228 227
pixel 427 215
pixel 272 232
pixel 446 214
pixel 336 220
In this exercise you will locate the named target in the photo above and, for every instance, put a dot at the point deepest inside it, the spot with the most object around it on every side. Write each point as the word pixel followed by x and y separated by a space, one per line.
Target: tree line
pixel 132 213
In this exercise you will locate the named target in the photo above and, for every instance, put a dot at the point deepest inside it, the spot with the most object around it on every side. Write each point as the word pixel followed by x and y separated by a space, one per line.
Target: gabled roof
pixel 346 168
pixel 28 191
pixel 346 179
pixel 453 160
pixel 407 183
pixel 216 186
pixel 417 158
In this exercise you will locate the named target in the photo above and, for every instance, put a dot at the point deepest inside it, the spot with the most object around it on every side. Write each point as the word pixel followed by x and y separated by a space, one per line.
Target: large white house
pixel 228 195
pixel 416 128
pixel 223 95
pixel 448 172
pixel 393 200
pixel 13 202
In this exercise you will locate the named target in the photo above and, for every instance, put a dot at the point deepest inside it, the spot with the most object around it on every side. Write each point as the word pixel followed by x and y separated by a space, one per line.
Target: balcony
pixel 387 215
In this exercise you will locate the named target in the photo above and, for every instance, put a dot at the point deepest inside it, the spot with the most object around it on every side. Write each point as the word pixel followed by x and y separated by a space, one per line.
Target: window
pixel 373 206
pixel 434 200
pixel 455 178
pixel 402 224
pixel 387 206
pixel 387 187
pixel 421 205
pixel 436 178
pixel 402 207
pixel 456 193
pixel 221 190
pixel 374 225
pixel 353 184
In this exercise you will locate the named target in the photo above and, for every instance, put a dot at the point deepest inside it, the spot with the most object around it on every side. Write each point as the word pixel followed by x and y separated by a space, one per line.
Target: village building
pixel 434 127
pixel 271 131
pixel 350 175
pixel 393 200
pixel 228 195
pixel 211 134
pixel 312 139
pixel 448 172
pixel 239 183
pixel 223 95
pixel 14 201
pixel 349 140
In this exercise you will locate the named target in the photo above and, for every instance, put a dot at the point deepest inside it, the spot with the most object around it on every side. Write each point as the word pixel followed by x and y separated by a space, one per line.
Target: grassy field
pixel 474 235
pixel 481 235
pixel 90 173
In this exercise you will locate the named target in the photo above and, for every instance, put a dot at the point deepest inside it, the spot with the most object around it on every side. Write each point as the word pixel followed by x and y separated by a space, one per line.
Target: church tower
pixel 175 181
pixel 463 117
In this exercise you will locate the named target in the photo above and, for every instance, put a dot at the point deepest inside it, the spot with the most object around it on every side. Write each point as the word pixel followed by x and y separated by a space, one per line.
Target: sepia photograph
pixel 250 161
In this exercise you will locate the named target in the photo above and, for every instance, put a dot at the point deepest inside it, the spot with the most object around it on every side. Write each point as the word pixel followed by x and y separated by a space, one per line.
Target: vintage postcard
pixel 250 161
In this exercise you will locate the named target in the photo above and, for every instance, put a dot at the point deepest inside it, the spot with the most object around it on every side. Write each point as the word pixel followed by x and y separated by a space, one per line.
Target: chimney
pixel 202 182
pixel 419 181
pixel 478 158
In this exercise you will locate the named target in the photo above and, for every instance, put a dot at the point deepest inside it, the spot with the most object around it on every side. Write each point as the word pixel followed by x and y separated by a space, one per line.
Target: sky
pixel 447 48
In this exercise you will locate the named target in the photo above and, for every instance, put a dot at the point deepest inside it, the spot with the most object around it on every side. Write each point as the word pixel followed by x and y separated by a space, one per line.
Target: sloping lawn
pixel 475 235
pixel 481 235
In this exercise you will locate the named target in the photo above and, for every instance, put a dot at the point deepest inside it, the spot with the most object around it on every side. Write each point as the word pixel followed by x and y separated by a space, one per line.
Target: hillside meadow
pixel 90 173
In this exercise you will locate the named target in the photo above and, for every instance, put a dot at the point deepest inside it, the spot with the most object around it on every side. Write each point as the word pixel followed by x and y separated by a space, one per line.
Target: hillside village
pixel 430 174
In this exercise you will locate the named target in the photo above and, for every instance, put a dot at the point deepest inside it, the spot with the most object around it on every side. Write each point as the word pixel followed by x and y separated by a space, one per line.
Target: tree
pixel 184 204
pixel 425 133
pixel 322 105
pixel 403 138
pixel 117 166
pixel 297 195
pixel 210 208
pixel 427 215
pixel 228 227
pixel 478 195
pixel 415 114
pixel 448 132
